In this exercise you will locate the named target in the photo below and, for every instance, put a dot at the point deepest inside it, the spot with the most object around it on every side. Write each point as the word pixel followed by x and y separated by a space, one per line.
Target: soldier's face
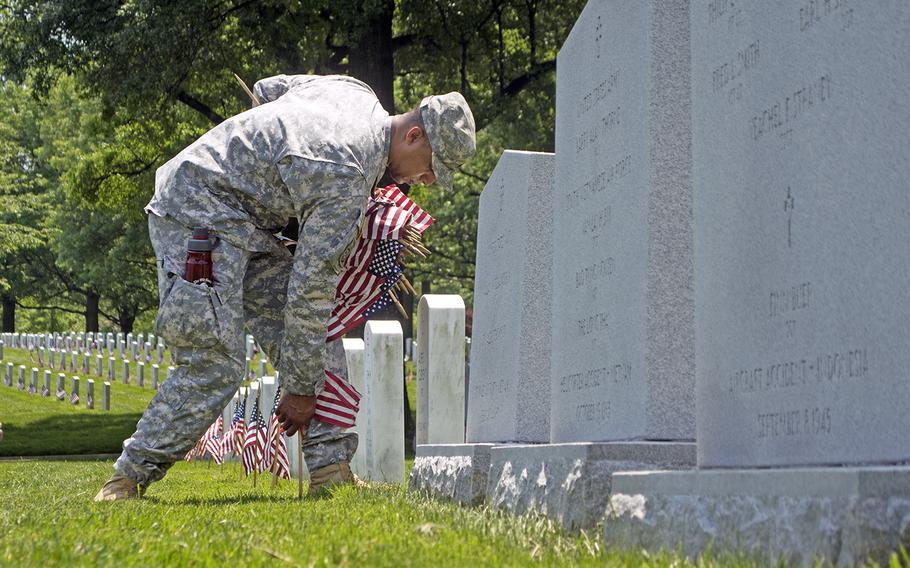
pixel 410 158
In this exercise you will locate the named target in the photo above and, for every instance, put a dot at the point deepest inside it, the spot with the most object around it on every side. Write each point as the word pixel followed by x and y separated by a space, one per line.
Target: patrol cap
pixel 449 124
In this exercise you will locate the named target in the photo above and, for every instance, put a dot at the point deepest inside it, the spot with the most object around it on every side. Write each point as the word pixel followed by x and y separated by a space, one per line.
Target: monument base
pixel 571 482
pixel 845 515
pixel 452 472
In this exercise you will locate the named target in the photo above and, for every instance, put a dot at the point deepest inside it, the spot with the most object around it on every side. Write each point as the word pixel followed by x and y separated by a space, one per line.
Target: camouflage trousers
pixel 204 327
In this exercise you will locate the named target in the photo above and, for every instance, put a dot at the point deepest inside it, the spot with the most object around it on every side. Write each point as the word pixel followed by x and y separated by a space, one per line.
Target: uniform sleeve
pixel 270 88
pixel 332 202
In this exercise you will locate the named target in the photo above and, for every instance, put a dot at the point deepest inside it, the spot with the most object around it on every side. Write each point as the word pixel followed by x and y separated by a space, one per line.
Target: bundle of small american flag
pixel 393 225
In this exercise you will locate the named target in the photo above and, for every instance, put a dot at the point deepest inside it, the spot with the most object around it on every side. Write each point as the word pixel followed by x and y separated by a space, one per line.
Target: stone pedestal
pixel 571 482
pixel 383 373
pixel 452 472
pixel 845 515
pixel 440 369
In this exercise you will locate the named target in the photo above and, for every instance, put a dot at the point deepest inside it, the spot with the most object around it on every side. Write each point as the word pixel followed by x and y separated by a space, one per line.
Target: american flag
pixel 89 401
pixel 255 441
pixel 277 445
pixel 45 391
pixel 373 262
pixel 74 399
pixel 338 403
pixel 21 382
pixel 229 441
pixel 61 394
pixel 32 388
pixel 212 437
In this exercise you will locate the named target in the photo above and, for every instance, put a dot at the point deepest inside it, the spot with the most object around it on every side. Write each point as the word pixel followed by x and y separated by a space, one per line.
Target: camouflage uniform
pixel 314 150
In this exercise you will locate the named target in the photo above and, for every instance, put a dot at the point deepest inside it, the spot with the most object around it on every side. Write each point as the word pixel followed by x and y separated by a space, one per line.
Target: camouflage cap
pixel 449 124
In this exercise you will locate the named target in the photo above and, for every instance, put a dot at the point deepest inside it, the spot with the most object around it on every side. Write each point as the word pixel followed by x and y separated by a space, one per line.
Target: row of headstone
pixel 60 393
pixel 142 348
pixel 707 166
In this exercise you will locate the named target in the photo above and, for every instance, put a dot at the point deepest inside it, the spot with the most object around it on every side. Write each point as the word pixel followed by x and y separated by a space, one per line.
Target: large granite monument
pixel 801 148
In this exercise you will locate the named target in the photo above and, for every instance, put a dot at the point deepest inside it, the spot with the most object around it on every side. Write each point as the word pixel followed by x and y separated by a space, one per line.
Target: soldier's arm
pixel 331 203
pixel 270 88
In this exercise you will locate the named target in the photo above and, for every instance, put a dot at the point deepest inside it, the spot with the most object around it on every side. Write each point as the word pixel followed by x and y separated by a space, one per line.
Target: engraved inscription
pixel 603 89
pixel 812 12
pixel 600 182
pixel 587 275
pixel 735 67
pixel 497 244
pixel 593 323
pixel 819 370
pixel 801 422
pixel 594 378
pixel 780 116
pixel 593 411
pixel 590 136
pixel 595 224
pixel 794 298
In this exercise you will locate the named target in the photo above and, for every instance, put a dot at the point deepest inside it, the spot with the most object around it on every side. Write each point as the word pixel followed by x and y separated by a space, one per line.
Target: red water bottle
pixel 199 258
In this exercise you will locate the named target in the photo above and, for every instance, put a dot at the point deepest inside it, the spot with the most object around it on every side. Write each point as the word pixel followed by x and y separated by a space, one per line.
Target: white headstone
pixel 90 394
pixel 509 387
pixel 106 396
pixel 383 375
pixel 155 369
pixel 353 352
pixel 623 311
pixel 440 369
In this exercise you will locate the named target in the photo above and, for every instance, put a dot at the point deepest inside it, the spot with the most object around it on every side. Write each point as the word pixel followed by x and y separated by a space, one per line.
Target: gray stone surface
pixel 571 482
pixel 509 390
pixel 844 515
pixel 803 151
pixel 451 472
pixel 623 309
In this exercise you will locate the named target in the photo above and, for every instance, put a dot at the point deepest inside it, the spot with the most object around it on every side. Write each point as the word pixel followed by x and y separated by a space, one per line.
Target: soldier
pixel 314 150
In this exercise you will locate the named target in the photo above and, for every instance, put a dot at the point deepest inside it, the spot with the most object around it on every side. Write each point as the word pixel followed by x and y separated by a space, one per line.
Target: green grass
pixel 208 516
pixel 35 425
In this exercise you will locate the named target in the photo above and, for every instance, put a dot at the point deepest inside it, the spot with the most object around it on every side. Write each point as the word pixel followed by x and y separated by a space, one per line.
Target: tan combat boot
pixel 335 474
pixel 120 487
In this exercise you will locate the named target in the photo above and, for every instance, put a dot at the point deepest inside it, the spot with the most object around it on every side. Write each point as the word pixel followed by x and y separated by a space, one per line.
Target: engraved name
pixel 593 323
pixel 743 61
pixel 603 89
pixel 600 182
pixel 595 378
pixel 591 273
pixel 792 299
pixel 600 129
pixel 801 422
pixel 593 411
pixel 821 369
pixel 782 113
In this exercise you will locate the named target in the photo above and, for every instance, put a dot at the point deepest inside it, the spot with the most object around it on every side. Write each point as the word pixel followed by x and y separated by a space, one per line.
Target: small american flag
pixel 277 444
pixel 229 440
pixel 61 394
pixel 74 399
pixel 45 391
pixel 32 389
pixel 89 401
pixel 21 383
pixel 338 403
pixel 253 444
pixel 212 437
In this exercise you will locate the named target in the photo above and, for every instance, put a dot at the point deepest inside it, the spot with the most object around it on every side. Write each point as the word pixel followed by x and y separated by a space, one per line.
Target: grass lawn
pixel 208 516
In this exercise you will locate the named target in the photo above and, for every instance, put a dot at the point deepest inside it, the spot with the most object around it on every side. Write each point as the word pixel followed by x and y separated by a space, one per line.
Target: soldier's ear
pixel 414 134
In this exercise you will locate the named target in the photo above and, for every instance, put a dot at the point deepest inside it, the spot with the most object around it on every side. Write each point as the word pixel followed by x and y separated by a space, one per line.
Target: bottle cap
pixel 199 242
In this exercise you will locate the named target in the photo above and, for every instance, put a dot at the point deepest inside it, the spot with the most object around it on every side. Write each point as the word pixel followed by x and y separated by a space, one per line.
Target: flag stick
pixel 299 465
pixel 247 90
pixel 275 458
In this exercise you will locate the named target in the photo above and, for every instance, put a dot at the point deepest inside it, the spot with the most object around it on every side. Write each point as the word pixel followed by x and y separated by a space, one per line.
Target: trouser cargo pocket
pixel 188 316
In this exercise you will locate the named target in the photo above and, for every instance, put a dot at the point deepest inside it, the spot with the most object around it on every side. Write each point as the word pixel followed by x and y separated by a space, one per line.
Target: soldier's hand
pixel 295 411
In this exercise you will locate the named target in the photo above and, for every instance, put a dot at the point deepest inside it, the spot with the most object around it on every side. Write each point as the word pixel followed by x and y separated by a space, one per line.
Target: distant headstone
pixel 40 356
pixel 440 369
pixel 111 368
pixel 383 375
pixel 51 357
pixel 46 390
pixel 90 394
pixel 21 377
pixel 140 374
pixel 74 390
pixel 86 363
pixel 262 366
pixel 33 381
pixel 99 364
pixel 125 372
pixel 509 391
pixel 155 377
pixel 106 396
pixel 61 387
pixel 8 376
pixel 160 350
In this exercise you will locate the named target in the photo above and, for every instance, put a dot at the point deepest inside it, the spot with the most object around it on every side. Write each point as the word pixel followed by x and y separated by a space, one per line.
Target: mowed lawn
pixel 36 425
pixel 202 515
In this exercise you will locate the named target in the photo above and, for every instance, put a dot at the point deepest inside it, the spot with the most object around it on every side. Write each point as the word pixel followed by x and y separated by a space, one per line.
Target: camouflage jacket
pixel 313 150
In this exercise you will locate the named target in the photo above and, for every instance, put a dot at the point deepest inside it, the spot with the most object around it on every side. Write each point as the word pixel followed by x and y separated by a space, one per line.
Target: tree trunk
pixel 92 299
pixel 9 314
pixel 126 321
pixel 371 57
